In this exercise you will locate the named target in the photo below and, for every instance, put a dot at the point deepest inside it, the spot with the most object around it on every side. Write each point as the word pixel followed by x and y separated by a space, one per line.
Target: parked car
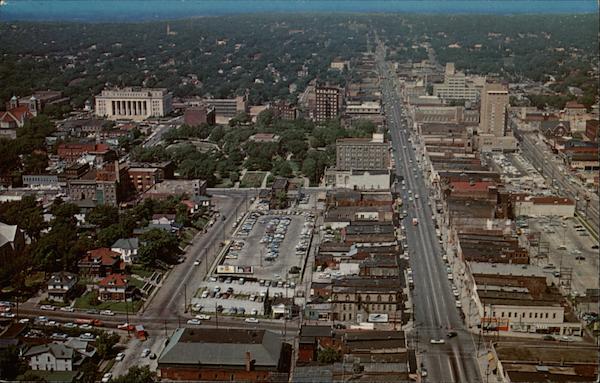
pixel 194 321
pixel 106 377
pixel 48 307
pixel 203 317
pixel 120 356
pixel 251 320
pixel 67 309
pixel 437 341
pixel 107 312
pixel 145 353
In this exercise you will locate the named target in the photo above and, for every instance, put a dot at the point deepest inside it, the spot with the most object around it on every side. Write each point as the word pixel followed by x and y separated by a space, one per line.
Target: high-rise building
pixel 327 103
pixel 494 104
pixel 456 86
pixel 362 153
pixel 133 103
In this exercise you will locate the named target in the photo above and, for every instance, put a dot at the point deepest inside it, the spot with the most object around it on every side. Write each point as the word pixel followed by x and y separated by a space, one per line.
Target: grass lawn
pixel 83 303
pixel 141 271
pixel 252 179
pixel 225 183
pixel 136 282
pixel 34 279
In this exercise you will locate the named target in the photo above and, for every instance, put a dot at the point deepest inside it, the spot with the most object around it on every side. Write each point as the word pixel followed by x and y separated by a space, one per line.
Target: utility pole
pixel 216 315
pixel 185 298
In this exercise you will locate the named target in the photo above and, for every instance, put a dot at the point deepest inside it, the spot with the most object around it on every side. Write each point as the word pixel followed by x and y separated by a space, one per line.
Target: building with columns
pixel 133 103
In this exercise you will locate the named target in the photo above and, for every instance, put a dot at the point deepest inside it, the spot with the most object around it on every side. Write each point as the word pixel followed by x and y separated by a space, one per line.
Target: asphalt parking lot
pixel 569 246
pixel 272 244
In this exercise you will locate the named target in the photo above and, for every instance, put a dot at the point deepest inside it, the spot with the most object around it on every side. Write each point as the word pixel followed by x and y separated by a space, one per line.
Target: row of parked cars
pixel 248 224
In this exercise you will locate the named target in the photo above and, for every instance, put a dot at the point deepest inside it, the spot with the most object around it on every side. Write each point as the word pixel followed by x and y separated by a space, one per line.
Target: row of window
pixel 510 314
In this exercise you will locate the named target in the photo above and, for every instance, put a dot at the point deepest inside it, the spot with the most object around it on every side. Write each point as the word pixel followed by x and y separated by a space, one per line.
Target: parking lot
pixel 569 246
pixel 274 245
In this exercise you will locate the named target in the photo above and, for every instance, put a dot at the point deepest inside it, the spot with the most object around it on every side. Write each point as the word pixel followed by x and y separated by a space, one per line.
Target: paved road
pixel 435 309
pixel 548 165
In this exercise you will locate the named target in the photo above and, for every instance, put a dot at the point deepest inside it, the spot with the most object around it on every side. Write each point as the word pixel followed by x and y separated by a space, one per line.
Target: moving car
pixel 251 320
pixel 203 317
pixel 437 341
pixel 451 334
pixel 194 321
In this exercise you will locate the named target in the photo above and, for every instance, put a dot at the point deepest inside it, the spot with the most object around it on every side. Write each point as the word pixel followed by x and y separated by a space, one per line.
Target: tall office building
pixel 456 86
pixel 327 103
pixel 133 103
pixel 494 104
pixel 362 153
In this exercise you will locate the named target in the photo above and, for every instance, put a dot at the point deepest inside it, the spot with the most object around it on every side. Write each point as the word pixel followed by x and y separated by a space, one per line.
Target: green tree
pixel 157 245
pixel 329 355
pixel 26 213
pixel 103 216
pixel 136 374
pixel 105 344
pixel 9 363
pixel 89 372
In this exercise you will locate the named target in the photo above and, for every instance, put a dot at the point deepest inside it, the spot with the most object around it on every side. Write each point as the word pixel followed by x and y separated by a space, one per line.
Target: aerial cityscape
pixel 299 191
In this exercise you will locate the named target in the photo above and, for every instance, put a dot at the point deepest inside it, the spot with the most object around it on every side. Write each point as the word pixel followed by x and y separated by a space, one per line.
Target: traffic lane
pixel 170 297
pixel 458 367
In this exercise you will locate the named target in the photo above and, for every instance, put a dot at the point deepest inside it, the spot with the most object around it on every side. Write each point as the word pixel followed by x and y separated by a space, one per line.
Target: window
pixel 530 315
pixel 378 298
pixel 502 314
pixel 536 315
pixel 553 315
pixel 509 314
pixel 546 315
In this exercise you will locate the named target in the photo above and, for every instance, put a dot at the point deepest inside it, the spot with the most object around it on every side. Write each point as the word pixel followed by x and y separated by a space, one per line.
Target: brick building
pixel 225 354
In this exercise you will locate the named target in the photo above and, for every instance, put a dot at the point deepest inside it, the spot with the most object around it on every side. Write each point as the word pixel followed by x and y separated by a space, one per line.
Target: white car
pixel 106 377
pixel 107 312
pixel 437 341
pixel 251 320
pixel 196 263
pixel 145 353
pixel 120 356
pixel 194 321
pixel 203 317
pixel 48 307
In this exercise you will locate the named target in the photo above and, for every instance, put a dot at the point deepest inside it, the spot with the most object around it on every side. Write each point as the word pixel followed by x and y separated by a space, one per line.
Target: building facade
pixel 327 103
pixel 456 86
pixel 494 104
pixel 228 107
pixel 133 103
pixel 362 153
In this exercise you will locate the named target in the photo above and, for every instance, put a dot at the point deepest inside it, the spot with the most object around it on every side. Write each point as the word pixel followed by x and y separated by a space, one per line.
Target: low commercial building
pixel 520 299
pixel 541 206
pixel 359 179
pixel 362 299
pixel 227 108
pixel 543 362
pixel 225 354
pixel 167 188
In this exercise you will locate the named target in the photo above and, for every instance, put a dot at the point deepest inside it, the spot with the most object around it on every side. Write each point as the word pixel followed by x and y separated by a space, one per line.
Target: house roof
pixel 471 186
pixel 126 243
pixel 106 256
pixel 7 233
pixel 223 347
pixel 15 114
pixel 59 350
pixel 62 277
pixel 116 280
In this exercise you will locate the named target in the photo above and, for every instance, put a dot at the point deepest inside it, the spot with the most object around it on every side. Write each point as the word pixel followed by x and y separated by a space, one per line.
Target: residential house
pixel 52 357
pixel 61 286
pixel 113 288
pixel 101 262
pixel 15 117
pixel 128 248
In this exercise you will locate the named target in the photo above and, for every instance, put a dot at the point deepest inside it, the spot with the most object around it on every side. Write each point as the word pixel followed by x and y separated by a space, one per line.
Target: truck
pixel 415 221
pixel 93 322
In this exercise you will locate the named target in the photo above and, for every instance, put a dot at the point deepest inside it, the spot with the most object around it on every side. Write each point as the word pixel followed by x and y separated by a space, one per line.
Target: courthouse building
pixel 133 103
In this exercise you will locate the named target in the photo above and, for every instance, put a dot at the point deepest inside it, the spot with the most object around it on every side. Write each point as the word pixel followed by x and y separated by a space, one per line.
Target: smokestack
pixel 248 361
